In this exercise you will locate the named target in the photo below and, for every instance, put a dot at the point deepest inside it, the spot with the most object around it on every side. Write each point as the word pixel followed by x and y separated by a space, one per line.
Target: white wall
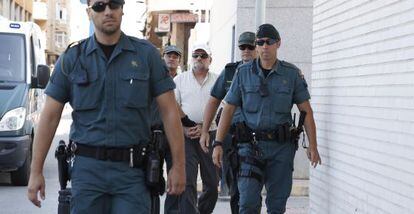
pixel 133 20
pixel 363 98
pixel 79 21
pixel 223 17
pixel 157 5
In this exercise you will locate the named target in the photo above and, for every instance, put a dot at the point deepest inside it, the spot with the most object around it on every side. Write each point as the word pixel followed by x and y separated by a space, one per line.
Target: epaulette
pixel 287 64
pixel 141 41
pixel 74 44
pixel 78 53
pixel 290 65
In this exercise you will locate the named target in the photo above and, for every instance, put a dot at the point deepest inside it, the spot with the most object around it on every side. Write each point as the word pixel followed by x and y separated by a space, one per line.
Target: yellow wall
pixel 26 4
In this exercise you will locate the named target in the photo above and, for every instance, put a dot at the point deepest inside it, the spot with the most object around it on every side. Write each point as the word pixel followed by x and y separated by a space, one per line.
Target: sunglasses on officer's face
pixel 203 56
pixel 101 6
pixel 243 47
pixel 261 42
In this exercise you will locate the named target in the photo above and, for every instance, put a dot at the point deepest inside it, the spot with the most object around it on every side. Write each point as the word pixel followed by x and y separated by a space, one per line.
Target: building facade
pixel 58 29
pixel 178 22
pixel 363 99
pixel 16 10
pixel 293 20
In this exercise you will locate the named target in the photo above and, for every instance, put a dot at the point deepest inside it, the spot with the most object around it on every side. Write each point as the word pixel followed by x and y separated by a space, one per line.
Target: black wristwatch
pixel 217 143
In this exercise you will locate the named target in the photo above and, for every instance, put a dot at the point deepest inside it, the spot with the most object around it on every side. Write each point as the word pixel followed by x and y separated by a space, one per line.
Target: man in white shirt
pixel 192 93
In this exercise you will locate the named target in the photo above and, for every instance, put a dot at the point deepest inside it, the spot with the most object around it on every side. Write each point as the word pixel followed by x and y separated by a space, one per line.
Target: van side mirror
pixel 43 75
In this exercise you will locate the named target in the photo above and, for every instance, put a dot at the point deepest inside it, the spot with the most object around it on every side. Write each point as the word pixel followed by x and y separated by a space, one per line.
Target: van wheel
pixel 20 177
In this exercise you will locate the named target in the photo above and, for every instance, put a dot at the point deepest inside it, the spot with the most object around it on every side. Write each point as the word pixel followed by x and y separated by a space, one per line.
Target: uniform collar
pixel 258 68
pixel 123 44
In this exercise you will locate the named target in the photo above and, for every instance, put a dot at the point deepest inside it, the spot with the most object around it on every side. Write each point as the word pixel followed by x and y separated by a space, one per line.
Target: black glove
pixel 187 122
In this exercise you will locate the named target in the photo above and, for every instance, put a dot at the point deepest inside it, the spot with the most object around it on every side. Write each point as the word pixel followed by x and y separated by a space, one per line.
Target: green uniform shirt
pixel 110 98
pixel 284 86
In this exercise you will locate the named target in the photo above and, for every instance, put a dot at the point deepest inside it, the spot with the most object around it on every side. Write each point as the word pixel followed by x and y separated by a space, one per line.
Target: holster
pixel 154 164
pixel 242 133
pixel 62 154
pixel 233 156
pixel 162 143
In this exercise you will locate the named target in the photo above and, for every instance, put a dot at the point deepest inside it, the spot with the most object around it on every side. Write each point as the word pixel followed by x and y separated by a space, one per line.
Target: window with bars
pixel 60 39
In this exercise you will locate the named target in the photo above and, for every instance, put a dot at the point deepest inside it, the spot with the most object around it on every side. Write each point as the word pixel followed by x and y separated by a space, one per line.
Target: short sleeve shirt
pixel 110 97
pixel 192 96
pixel 265 111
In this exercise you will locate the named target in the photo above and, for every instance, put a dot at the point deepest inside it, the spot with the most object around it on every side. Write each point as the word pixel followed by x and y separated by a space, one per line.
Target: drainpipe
pixel 260 12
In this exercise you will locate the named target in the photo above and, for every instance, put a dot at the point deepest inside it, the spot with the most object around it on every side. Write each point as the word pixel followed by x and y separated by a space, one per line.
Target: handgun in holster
pixel 62 154
pixel 154 172
pixel 242 133
pixel 297 130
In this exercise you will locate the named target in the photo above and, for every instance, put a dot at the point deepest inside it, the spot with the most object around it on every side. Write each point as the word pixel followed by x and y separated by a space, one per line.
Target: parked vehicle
pixel 23 76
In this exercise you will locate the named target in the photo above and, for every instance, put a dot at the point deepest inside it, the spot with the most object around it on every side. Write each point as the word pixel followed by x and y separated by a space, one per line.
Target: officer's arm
pixel 309 124
pixel 209 112
pixel 310 128
pixel 48 123
pixel 172 126
pixel 225 121
pixel 180 111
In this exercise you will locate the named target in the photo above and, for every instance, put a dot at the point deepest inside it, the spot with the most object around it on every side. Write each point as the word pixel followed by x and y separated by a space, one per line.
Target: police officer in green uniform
pixel 247 47
pixel 265 90
pixel 110 80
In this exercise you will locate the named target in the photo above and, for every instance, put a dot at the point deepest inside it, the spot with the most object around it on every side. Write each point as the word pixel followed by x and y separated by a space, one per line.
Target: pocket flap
pixel 136 75
pixel 82 76
pixel 283 89
pixel 251 89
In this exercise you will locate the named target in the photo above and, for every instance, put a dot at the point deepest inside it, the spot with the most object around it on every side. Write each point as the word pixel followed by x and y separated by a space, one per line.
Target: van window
pixel 12 58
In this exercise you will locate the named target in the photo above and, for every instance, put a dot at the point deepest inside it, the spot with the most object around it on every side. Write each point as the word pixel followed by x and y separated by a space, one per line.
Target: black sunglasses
pixel 101 6
pixel 243 47
pixel 203 56
pixel 261 42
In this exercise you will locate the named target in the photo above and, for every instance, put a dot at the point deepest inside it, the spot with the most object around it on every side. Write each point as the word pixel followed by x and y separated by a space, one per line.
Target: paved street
pixel 13 200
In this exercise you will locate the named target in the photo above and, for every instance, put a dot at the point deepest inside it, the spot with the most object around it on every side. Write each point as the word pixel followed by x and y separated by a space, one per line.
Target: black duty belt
pixel 133 155
pixel 244 134
pixel 279 135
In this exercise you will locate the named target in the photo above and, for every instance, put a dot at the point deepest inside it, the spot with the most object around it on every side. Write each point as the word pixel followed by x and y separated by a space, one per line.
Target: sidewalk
pixel 298 203
pixel 295 205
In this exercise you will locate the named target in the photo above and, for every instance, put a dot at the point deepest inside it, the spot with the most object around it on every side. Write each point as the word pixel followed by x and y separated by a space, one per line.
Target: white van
pixel 23 76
